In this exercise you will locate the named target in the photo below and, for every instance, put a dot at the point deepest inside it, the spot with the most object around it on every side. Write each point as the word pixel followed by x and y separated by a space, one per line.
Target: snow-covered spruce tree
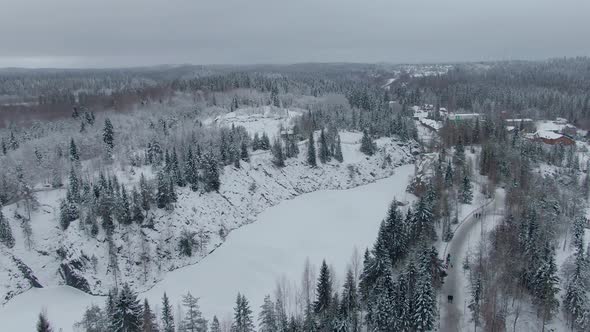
pixel 256 142
pixel 397 237
pixel 323 291
pixel 73 193
pixel 546 285
pixel 264 142
pixel 424 302
pixel 145 191
pixel 64 216
pixel 124 208
pixel 311 156
pixel 93 320
pixel 176 172
pixel 167 316
pixel 281 316
pixel 149 323
pixel 243 320
pixel 74 156
pixel 277 153
pixel 215 326
pixel 162 196
pixel 449 174
pixel 475 300
pixel 109 308
pixel 211 173
pixel 459 155
pixel 325 153
pixel 267 318
pixel 338 150
pixel 350 305
pixel 367 144
pixel 136 211
pixel 191 172
pixel 575 299
pixel 185 243
pixel 6 236
pixel 193 320
pixel 466 191
pixel 108 137
pixel 381 312
pixel 244 154
pixel 402 299
pixel 423 221
pixel 127 316
pixel 43 324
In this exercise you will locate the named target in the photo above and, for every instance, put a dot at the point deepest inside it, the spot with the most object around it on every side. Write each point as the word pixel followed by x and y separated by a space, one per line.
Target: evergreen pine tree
pixel 64 216
pixel 74 156
pixel 211 173
pixel 136 212
pixel 149 322
pixel 162 196
pixel 381 313
pixel 323 292
pixel 424 302
pixel 475 301
pixel 12 142
pixel 167 316
pixel 243 320
pixel 43 324
pixel 244 154
pixel 94 320
pixel 277 153
pixel 311 157
pixel 350 303
pixel 449 175
pixel 281 316
pixel 459 156
pixel 466 192
pixel 546 284
pixel 424 220
pixel 73 187
pixel 193 319
pixel 125 208
pixel 215 326
pixel 6 237
pixel 256 142
pixel 108 137
pixel 264 142
pixel 338 150
pixel 575 298
pixel 191 172
pixel 176 172
pixel 146 193
pixel 128 313
pixel 324 154
pixel 367 144
pixel 267 319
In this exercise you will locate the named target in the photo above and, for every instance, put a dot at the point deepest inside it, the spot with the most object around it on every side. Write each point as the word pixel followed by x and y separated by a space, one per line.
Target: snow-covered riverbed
pixel 323 224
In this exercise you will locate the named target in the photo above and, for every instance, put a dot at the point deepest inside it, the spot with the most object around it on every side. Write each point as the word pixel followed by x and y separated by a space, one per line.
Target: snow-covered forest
pixel 120 182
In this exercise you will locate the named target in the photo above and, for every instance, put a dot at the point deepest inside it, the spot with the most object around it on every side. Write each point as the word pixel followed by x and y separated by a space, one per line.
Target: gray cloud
pixel 79 33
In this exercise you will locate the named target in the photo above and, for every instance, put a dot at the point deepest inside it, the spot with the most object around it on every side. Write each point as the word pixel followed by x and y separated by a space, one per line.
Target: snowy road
pixel 467 234
pixel 324 224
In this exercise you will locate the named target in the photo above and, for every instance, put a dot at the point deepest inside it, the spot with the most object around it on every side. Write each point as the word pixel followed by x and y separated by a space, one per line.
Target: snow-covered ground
pixel 258 119
pixel 324 224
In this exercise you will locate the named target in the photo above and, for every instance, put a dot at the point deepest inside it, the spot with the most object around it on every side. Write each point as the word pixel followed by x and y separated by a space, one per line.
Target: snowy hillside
pixel 258 119
pixel 145 254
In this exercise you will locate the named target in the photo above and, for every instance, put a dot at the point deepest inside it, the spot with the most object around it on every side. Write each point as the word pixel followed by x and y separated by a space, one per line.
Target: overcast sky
pixel 109 33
